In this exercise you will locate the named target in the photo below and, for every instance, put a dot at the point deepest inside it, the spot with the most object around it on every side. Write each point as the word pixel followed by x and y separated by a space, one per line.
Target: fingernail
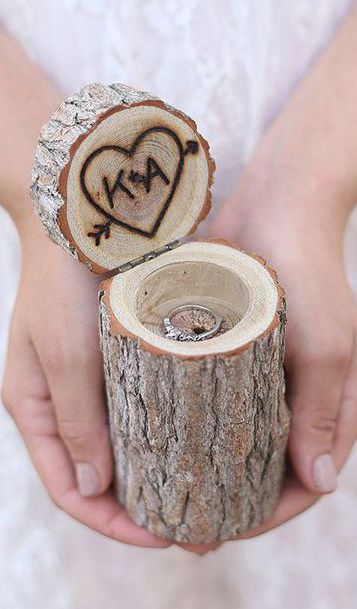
pixel 324 473
pixel 87 479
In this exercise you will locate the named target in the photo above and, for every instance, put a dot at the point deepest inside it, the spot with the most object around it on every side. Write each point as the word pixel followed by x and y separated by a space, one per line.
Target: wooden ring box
pixel 198 429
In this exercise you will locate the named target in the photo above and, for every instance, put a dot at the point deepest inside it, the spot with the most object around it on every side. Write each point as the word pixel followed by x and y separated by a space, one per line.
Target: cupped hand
pixel 53 388
pixel 299 230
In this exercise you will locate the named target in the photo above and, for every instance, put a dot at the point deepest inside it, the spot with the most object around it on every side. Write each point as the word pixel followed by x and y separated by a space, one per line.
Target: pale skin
pixel 291 205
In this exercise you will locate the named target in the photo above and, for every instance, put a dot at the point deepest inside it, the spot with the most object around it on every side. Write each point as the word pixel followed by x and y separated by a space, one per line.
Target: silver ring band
pixel 175 333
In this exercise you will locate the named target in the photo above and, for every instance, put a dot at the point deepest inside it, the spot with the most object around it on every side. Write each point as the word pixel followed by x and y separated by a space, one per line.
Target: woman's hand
pixel 53 384
pixel 291 206
pixel 53 387
pixel 286 212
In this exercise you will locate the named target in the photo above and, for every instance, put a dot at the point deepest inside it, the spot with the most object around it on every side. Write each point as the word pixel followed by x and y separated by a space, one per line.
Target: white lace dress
pixel 230 64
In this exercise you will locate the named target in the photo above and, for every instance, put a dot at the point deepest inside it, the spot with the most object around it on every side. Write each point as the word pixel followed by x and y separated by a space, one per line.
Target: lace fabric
pixel 230 64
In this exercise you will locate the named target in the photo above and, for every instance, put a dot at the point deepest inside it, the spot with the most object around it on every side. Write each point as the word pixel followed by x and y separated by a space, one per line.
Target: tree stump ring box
pixel 198 427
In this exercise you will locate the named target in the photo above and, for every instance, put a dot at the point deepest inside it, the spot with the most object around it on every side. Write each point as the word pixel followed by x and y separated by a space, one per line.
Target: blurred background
pixel 46 559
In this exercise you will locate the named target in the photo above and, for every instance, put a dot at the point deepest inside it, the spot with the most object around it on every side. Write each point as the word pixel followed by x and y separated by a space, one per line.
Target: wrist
pixel 44 258
pixel 272 204
pixel 22 214
pixel 32 236
pixel 306 167
pixel 290 192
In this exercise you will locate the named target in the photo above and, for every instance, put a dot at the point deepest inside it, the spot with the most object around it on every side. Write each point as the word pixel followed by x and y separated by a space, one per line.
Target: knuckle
pixel 326 425
pixel 321 420
pixel 73 433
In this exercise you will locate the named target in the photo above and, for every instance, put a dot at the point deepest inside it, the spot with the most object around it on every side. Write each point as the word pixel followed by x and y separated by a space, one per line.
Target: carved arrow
pixel 102 229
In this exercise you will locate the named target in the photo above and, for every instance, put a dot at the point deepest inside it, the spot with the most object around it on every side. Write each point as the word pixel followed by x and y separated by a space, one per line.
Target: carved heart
pixel 134 187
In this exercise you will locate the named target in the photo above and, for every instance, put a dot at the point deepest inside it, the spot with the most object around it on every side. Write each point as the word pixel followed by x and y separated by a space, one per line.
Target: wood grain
pixel 119 173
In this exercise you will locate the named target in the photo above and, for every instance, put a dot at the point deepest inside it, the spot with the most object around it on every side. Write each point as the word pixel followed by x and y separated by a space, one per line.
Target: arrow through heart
pixel 134 187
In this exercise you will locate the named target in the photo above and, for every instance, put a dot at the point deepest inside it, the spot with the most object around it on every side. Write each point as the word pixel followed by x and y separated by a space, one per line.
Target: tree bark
pixel 199 430
pixel 198 443
pixel 102 227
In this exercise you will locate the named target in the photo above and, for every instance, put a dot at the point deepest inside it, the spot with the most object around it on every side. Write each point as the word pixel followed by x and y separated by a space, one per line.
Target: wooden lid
pixel 119 173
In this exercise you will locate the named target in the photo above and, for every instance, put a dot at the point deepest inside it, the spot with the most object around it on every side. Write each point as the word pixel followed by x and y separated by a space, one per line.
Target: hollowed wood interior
pixel 196 283
pixel 228 281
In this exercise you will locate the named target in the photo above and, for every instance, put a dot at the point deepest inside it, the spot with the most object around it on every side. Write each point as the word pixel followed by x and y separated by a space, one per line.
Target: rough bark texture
pixel 198 443
pixel 74 118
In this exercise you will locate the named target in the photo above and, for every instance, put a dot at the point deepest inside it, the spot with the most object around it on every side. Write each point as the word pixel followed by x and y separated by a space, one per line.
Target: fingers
pixel 346 433
pixel 315 381
pixel 26 395
pixel 294 500
pixel 103 514
pixel 73 366
pixel 76 385
pixel 338 438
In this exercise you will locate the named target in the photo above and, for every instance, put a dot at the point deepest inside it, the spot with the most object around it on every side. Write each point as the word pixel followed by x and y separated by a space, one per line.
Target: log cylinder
pixel 198 429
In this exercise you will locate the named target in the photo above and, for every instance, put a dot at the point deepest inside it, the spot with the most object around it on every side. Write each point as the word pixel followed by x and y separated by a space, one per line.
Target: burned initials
pixel 153 170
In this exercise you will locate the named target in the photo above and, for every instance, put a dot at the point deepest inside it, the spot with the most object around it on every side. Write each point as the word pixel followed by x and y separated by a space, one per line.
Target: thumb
pixel 76 385
pixel 314 393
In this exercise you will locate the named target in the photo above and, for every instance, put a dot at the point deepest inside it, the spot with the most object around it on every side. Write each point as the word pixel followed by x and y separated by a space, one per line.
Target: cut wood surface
pixel 119 173
pixel 198 429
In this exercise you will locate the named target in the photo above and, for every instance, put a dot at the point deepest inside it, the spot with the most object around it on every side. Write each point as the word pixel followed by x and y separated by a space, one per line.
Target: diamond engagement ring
pixel 195 322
